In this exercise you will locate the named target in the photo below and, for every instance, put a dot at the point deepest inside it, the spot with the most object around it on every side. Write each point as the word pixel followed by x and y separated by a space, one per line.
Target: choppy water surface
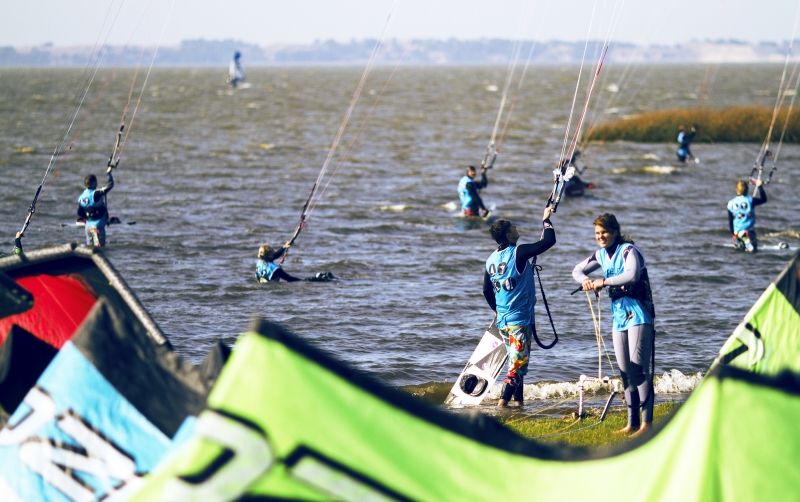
pixel 209 175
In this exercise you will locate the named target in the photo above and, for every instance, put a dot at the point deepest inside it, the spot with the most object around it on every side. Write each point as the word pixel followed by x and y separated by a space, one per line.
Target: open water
pixel 209 175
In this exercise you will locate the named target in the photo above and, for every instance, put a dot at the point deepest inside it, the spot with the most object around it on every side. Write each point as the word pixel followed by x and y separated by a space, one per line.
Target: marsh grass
pixel 593 437
pixel 739 124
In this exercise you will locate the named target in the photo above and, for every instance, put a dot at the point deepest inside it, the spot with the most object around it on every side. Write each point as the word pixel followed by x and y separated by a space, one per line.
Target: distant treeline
pixel 731 125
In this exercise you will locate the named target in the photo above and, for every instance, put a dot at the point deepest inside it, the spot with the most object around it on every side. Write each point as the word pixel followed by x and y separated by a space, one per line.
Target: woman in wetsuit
pixel 269 271
pixel 625 276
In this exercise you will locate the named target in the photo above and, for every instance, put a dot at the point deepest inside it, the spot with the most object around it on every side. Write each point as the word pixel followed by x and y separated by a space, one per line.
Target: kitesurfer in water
pixel 92 209
pixel 632 312
pixel 685 139
pixel 509 289
pixel 468 188
pixel 742 216
pixel 235 71
pixel 269 271
pixel 575 186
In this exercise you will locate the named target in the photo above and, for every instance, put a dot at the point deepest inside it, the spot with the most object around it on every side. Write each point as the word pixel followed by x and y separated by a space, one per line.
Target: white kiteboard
pixel 481 371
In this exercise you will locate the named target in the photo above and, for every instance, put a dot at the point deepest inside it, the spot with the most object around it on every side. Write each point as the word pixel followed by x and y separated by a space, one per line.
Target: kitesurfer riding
pixel 685 139
pixel 632 311
pixel 235 71
pixel 742 216
pixel 268 271
pixel 92 209
pixel 468 188
pixel 510 291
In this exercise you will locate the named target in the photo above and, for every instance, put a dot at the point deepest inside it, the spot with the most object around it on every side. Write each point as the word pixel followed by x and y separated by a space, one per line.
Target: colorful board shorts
pixel 470 212
pixel 518 345
pixel 96 232
pixel 745 240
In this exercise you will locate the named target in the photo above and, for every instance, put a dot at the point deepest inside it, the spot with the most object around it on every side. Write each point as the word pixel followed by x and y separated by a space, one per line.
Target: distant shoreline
pixel 204 53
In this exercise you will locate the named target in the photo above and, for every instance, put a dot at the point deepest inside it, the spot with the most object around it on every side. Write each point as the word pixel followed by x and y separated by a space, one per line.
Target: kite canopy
pixel 768 339
pixel 335 433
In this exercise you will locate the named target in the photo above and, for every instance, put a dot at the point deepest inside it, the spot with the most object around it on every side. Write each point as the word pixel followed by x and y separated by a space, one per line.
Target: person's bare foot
pixel 501 403
pixel 624 430
pixel 645 427
pixel 517 403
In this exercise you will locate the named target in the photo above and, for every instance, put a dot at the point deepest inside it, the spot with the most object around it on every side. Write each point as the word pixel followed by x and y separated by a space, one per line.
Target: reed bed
pixel 745 124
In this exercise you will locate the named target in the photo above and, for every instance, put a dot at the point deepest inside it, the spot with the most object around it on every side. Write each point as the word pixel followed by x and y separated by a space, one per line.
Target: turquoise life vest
pixel 514 292
pixel 463 193
pixel 629 304
pixel 744 214
pixel 94 210
pixel 265 270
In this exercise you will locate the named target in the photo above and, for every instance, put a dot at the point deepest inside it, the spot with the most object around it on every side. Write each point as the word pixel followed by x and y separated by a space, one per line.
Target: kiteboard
pixel 481 371
pixel 111 221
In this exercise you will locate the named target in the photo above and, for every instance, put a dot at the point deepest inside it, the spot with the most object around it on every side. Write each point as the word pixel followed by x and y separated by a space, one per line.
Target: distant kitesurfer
pixel 575 186
pixel 742 216
pixel 685 139
pixel 268 271
pixel 509 289
pixel 17 246
pixel 625 276
pixel 235 71
pixel 92 209
pixel 468 188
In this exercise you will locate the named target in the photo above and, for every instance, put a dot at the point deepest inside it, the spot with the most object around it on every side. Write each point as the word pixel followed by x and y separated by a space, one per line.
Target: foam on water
pixel 396 208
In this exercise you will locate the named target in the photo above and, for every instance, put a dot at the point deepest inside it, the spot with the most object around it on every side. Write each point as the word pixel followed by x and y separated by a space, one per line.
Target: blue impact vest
pixel 744 214
pixel 94 210
pixel 625 311
pixel 265 269
pixel 463 193
pixel 514 292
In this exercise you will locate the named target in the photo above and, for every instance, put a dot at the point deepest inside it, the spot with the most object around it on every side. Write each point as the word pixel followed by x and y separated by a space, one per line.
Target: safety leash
pixel 537 268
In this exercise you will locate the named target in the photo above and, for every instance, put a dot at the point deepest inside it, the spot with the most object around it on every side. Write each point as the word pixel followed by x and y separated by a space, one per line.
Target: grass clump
pixel 593 437
pixel 744 124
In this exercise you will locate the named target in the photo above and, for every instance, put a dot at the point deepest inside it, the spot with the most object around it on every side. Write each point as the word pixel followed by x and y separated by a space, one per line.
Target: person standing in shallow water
pixel 468 188
pixel 685 139
pixel 742 216
pixel 92 208
pixel 632 312
pixel 510 291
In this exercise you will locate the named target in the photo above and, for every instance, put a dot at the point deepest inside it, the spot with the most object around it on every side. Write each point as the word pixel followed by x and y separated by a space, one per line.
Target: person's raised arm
pixel 759 196
pixel 527 251
pixel 484 180
pixel 100 192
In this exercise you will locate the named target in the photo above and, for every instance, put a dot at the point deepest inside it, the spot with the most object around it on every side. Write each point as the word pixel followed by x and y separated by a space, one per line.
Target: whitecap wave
pixel 670 382
pixel 396 208
pixel 450 206
pixel 651 156
pixel 795 234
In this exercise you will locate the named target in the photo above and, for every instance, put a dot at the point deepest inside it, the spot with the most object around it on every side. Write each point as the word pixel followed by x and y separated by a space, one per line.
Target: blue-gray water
pixel 209 175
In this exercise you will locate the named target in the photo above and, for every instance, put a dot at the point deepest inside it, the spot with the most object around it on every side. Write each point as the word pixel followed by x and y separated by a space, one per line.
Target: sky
pixel 270 22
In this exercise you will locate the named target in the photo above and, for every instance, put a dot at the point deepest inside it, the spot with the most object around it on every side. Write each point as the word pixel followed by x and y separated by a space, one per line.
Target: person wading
pixel 685 139
pixel 92 208
pixel 510 291
pixel 625 276
pixel 468 188
pixel 742 216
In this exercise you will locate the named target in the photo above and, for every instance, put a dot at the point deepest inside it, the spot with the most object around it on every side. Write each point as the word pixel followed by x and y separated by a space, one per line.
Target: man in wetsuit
pixel 685 139
pixel 509 289
pixel 468 188
pixel 268 271
pixel 742 216
pixel 92 208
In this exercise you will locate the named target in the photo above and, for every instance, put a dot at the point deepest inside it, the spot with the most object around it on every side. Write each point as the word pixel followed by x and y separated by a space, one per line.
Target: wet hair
pixel 266 252
pixel 610 223
pixel 90 181
pixel 471 168
pixel 499 230
pixel 741 187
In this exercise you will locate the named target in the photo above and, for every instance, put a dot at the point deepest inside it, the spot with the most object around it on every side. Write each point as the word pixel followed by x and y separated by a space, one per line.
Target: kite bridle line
pixel 306 212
